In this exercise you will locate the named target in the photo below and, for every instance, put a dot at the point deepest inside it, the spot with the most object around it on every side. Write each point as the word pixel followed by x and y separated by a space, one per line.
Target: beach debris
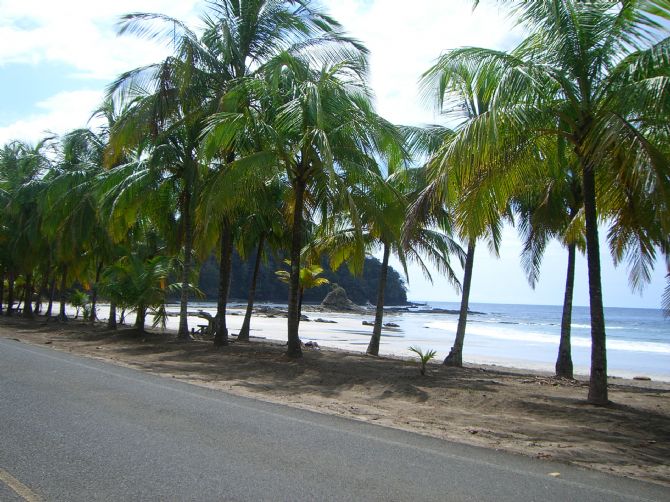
pixel 312 345
pixel 473 431
pixel 644 378
pixel 391 325
pixel 368 323
pixel 327 321
pixel 554 474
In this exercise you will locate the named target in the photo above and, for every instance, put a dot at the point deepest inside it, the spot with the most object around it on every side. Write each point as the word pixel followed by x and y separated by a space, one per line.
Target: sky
pixel 57 58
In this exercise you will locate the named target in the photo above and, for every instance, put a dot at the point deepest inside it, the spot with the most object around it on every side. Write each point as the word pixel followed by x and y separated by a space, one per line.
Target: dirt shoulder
pixel 535 415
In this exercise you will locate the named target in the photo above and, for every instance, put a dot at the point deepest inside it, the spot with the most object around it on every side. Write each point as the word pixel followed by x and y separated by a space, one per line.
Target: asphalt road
pixel 78 429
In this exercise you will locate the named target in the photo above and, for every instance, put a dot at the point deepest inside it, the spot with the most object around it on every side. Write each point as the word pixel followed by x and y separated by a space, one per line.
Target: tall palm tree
pixel 317 124
pixel 238 38
pixel 22 168
pixel 380 206
pixel 476 206
pixel 594 73
pixel 550 206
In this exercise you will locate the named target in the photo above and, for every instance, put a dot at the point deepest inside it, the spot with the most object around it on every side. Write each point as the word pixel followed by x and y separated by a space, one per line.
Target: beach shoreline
pixel 529 413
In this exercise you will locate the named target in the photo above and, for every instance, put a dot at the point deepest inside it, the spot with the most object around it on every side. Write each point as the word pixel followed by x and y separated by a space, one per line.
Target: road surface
pixel 73 429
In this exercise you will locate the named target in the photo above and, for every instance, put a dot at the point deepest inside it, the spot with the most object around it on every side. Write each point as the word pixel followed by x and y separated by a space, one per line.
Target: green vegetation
pixel 257 138
pixel 424 358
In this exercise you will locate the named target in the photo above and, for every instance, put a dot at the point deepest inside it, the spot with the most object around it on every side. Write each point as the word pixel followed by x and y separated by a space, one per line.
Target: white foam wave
pixel 511 335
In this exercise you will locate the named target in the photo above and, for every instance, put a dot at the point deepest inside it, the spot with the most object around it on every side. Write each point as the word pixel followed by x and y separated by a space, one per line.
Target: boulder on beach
pixel 337 300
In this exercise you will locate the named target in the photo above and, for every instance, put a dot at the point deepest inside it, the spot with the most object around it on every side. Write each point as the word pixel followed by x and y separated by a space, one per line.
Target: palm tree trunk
pixel 243 335
pixel 455 357
pixel 111 321
pixel 140 317
pixel 52 294
pixel 598 380
pixel 62 316
pixel 2 290
pixel 10 294
pixel 186 272
pixel 27 298
pixel 373 346
pixel 43 287
pixel 294 349
pixel 221 336
pixel 94 294
pixel 564 360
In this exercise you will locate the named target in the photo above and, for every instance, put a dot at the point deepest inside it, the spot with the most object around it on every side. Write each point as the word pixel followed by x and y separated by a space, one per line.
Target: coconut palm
pixel 475 204
pixel 550 206
pixel 316 124
pixel 380 205
pixel 238 37
pixel 22 167
pixel 596 74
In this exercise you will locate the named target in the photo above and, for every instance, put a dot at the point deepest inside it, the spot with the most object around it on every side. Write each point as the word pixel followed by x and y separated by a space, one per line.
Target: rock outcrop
pixel 336 300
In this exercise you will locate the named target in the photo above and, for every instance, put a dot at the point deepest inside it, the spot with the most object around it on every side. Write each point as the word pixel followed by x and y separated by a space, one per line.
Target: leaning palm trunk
pixel 186 272
pixel 221 336
pixel 373 346
pixel 10 294
pixel 598 379
pixel 111 321
pixel 28 297
pixel 564 360
pixel 243 335
pixel 63 296
pixel 455 357
pixel 294 349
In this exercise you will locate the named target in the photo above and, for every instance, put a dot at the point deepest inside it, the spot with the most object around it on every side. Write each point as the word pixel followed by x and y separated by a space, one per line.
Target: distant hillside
pixel 361 290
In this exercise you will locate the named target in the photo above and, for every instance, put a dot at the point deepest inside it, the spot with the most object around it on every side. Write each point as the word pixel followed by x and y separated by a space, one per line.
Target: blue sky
pixel 57 58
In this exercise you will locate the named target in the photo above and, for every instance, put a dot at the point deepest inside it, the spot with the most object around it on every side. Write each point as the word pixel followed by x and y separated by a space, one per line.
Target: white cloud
pixel 62 112
pixel 404 41
pixel 80 33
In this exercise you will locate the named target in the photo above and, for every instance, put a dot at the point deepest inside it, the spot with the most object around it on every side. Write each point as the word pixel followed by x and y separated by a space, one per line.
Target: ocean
pixel 527 336
pixel 518 336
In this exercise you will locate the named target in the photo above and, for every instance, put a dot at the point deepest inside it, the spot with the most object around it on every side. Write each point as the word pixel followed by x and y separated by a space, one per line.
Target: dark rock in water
pixel 337 300
pixel 391 325
pixel 303 317
pixel 644 378
pixel 312 345
pixel 368 323
pixel 327 321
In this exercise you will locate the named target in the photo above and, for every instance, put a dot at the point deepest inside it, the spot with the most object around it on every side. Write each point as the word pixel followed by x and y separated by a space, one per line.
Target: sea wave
pixel 505 333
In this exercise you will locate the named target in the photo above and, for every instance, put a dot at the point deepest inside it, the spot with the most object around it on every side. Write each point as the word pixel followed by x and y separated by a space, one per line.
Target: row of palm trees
pixel 259 132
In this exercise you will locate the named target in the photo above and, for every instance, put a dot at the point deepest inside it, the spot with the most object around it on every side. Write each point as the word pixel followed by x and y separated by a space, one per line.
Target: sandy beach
pixel 529 413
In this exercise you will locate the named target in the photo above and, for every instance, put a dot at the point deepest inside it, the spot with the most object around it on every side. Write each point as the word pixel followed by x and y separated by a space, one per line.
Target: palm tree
pixel 22 167
pixel 475 205
pixel 380 205
pixel 72 206
pixel 317 124
pixel 238 37
pixel 551 207
pixel 139 284
pixel 594 73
